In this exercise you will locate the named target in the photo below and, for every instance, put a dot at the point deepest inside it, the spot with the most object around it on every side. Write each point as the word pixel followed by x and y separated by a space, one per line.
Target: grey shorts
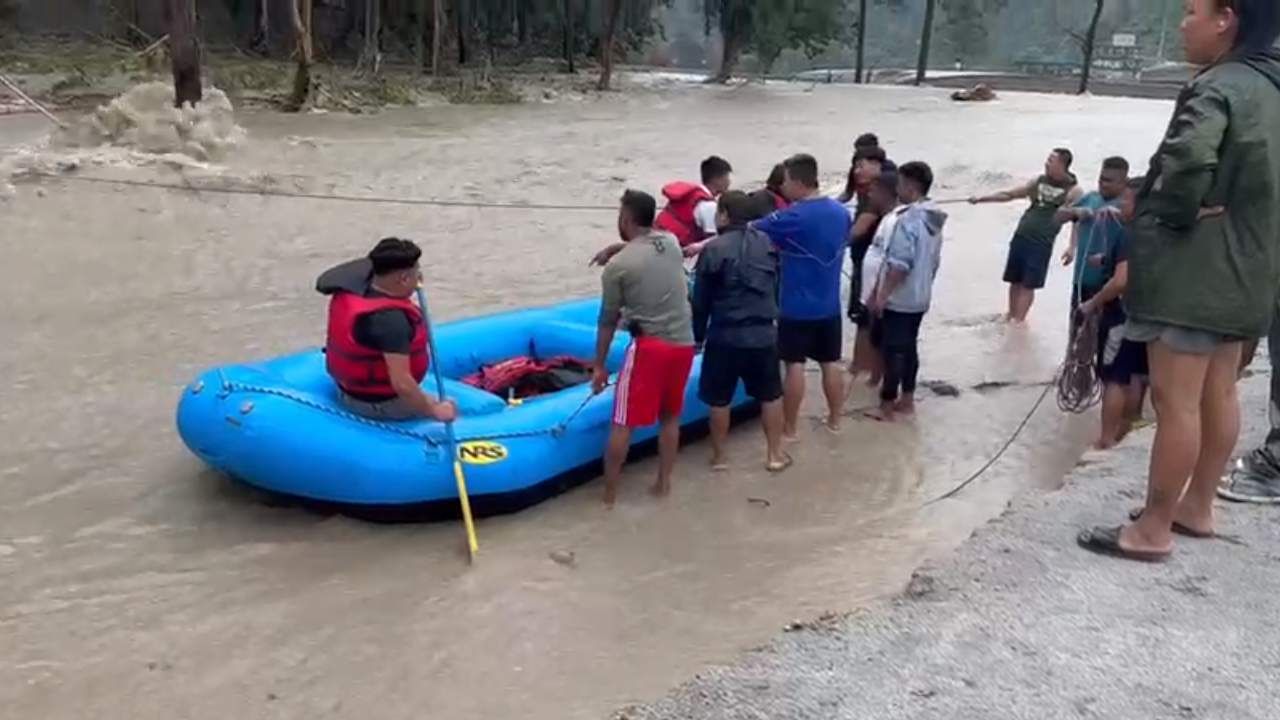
pixel 1181 339
pixel 394 409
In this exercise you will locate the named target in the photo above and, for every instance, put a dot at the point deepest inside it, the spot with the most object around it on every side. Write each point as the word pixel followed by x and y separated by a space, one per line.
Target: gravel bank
pixel 1019 623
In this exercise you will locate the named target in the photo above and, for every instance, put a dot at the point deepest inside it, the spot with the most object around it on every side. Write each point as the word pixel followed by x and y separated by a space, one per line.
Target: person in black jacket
pixel 735 313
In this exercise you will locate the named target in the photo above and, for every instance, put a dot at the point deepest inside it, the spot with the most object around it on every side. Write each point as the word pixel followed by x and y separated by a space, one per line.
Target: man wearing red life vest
pixel 690 213
pixel 376 349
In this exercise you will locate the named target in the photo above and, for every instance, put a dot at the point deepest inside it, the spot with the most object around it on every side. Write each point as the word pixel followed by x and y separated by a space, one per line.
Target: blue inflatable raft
pixel 278 426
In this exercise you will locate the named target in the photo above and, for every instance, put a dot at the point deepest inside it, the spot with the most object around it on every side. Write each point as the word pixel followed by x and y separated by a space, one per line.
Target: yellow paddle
pixel 473 546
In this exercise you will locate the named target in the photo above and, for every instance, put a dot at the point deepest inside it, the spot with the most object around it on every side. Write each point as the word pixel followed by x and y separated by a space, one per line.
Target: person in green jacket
pixel 1203 265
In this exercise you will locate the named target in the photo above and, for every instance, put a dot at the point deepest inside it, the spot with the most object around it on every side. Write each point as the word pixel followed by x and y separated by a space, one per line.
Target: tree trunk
pixel 569 50
pixel 462 11
pixel 184 49
pixel 371 55
pixel 732 34
pixel 522 22
pixel 437 33
pixel 261 40
pixel 1089 39
pixel 420 37
pixel 606 44
pixel 862 40
pixel 926 39
pixel 302 37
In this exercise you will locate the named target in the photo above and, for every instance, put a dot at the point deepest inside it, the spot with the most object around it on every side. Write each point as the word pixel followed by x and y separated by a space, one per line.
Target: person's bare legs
pixel 720 418
pixel 668 449
pixel 1177 385
pixel 833 388
pixel 771 421
pixel 615 455
pixel 792 399
pixel 1219 431
pixel 1115 409
pixel 1020 302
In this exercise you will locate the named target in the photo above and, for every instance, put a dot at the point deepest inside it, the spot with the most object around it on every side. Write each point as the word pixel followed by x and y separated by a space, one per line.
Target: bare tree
pixel 1087 43
pixel 420 36
pixel 437 31
pixel 184 49
pixel 371 56
pixel 261 40
pixel 302 38
pixel 606 44
pixel 862 40
pixel 926 39
pixel 568 35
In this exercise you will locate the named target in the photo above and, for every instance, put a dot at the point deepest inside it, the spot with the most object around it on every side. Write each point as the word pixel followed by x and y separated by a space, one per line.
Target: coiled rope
pixel 1079 385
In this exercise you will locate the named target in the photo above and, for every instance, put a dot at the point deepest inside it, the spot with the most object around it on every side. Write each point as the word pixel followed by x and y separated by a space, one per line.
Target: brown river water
pixel 135 583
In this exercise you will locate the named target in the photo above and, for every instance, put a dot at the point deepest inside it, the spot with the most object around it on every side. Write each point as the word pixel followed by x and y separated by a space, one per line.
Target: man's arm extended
pixel 1018 193
pixel 408 390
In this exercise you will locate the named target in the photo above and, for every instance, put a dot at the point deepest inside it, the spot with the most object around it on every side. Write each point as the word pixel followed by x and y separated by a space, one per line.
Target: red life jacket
pixel 779 202
pixel 359 369
pixel 677 217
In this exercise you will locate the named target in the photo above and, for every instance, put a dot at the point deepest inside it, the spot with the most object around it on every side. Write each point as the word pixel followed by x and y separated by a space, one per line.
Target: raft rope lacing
pixel 230 386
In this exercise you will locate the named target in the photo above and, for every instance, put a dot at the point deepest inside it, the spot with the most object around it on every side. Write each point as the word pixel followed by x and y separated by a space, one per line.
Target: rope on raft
pixel 432 439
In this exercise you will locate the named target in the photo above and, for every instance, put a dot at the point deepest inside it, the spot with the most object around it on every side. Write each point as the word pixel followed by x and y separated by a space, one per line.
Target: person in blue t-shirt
pixel 1095 234
pixel 811 236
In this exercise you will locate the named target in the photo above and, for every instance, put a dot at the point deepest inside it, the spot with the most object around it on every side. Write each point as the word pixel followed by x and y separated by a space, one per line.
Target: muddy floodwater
pixel 134 583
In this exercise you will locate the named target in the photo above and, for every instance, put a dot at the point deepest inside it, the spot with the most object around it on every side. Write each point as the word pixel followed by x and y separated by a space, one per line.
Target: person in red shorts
pixel 645 290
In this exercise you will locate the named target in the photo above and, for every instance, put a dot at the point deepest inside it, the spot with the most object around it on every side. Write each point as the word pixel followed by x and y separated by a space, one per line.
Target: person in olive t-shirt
pixel 1032 244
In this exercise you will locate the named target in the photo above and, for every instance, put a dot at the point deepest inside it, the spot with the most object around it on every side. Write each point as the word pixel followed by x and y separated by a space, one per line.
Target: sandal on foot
pixel 1178 528
pixel 1106 541
pixel 777 467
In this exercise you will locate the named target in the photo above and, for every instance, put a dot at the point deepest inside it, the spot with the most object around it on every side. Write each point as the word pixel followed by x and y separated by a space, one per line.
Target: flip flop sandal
pixel 1106 541
pixel 775 468
pixel 1178 528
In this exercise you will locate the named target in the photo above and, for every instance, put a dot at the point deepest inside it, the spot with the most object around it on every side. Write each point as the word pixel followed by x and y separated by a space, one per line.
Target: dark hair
pixel 640 206
pixel 714 167
pixel 803 169
pixel 738 206
pixel 1065 155
pixel 392 254
pixel 918 173
pixel 866 140
pixel 1116 163
pixel 1259 24
pixel 872 152
pixel 777 176
pixel 887 180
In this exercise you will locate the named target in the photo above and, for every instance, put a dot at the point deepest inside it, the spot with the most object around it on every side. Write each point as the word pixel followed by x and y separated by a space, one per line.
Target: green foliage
pixel 770 27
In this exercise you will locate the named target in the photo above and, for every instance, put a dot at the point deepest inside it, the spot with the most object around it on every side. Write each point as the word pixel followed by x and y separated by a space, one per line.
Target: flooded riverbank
pixel 131 578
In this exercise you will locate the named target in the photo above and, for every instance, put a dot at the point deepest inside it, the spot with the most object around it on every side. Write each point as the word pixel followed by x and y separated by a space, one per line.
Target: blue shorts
pixel 1028 262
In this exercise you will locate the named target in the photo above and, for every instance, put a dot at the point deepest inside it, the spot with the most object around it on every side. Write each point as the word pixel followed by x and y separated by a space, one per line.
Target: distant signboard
pixel 1124 40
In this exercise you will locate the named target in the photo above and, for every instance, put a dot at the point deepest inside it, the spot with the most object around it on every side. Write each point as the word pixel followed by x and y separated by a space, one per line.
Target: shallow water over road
pixel 137 584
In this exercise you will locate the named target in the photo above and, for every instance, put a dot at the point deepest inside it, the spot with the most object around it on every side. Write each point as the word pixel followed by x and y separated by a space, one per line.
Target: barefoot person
pixel 1032 246
pixel 868 164
pixel 735 311
pixel 904 289
pixel 811 237
pixel 882 199
pixel 1121 363
pixel 376 349
pixel 1202 266
pixel 645 284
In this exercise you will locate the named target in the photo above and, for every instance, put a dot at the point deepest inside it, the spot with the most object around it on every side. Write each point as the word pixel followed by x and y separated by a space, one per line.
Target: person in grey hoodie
pixel 904 290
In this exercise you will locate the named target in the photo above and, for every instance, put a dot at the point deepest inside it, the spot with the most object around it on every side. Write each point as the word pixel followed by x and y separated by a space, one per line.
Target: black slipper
pixel 1106 541
pixel 1178 528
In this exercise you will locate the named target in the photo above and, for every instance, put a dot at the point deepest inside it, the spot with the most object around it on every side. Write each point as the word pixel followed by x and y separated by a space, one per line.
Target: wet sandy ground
pixel 133 583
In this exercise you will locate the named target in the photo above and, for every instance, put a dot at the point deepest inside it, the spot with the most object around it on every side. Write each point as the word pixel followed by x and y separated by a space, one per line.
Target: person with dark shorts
pixel 1121 363
pixel 811 236
pixel 645 284
pixel 904 289
pixel 735 311
pixel 1031 249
